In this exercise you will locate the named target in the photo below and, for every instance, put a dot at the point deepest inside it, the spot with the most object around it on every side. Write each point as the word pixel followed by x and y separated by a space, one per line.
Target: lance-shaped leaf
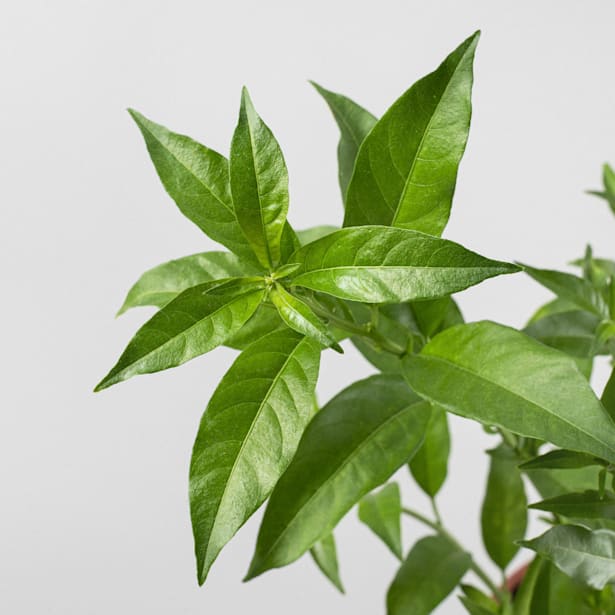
pixel 159 285
pixel 478 603
pixel 499 376
pixel 195 322
pixel 555 306
pixel 197 179
pixel 587 505
pixel 608 180
pixel 406 168
pixel 561 459
pixel 265 320
pixel 324 553
pixel 430 572
pixel 381 512
pixel 355 443
pixel 608 395
pixel 300 317
pixel 379 264
pixel 572 288
pixel 259 184
pixel 354 123
pixel 585 555
pixel 316 232
pixel 525 594
pixel 504 514
pixel 248 435
pixel 430 463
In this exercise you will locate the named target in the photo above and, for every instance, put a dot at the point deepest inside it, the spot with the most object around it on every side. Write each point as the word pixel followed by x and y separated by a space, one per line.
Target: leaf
pixel 526 591
pixel 265 320
pixel 503 515
pixel 197 179
pixel 379 264
pixel 324 553
pixel 381 512
pixel 193 323
pixel 571 332
pixel 608 179
pixel 608 395
pixel 587 505
pixel 247 437
pixel 159 285
pixel 551 483
pixel 429 574
pixel 355 443
pixel 430 315
pixel 499 376
pixel 478 598
pixel 406 168
pixel 354 123
pixel 570 287
pixel 561 459
pixel 430 463
pixel 259 184
pixel 555 306
pixel 473 608
pixel 300 317
pixel 585 555
pixel 316 232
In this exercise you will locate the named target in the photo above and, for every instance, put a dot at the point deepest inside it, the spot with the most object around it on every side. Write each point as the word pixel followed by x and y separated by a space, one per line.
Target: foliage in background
pixel 384 281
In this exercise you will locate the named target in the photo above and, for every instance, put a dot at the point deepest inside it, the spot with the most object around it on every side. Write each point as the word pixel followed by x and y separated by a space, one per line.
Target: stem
pixel 436 512
pixel 438 527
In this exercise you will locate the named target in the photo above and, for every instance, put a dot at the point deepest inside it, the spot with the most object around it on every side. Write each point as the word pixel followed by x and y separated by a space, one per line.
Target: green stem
pixel 440 529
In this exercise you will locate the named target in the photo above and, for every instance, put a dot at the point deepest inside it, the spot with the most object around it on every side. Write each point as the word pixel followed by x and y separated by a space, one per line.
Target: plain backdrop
pixel 93 488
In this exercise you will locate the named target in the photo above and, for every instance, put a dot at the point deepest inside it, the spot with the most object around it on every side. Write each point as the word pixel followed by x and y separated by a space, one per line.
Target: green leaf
pixel 378 264
pixel 248 436
pixel 499 376
pixel 525 593
pixel 585 555
pixel 473 608
pixel 587 505
pixel 355 443
pixel 159 285
pixel 197 179
pixel 265 320
pixel 608 179
pixel 300 317
pixel 381 512
pixel 259 184
pixel 572 288
pixel 561 459
pixel 551 483
pixel 316 232
pixel 195 322
pixel 608 395
pixel 354 123
pixel 324 553
pixel 555 306
pixel 429 574
pixel 406 168
pixel 478 598
pixel 503 515
pixel 430 463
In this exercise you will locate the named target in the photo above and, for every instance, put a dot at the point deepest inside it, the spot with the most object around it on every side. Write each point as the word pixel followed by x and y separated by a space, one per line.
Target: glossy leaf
pixel 159 285
pixel 355 443
pixel 248 435
pixel 381 512
pixel 316 232
pixel 300 317
pixel 430 572
pixel 377 264
pixel 499 376
pixel 354 123
pixel 406 168
pixel 586 505
pixel 197 179
pixel 503 515
pixel 265 320
pixel 195 322
pixel 585 555
pixel 259 184
pixel 561 459
pixel 430 463
pixel 324 553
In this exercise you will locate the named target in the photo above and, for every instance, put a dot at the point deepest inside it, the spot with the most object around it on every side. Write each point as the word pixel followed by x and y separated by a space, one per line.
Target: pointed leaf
pixel 381 512
pixel 193 323
pixel 429 465
pixel 259 184
pixel 585 555
pixel 525 593
pixel 248 435
pixel 324 553
pixel 561 459
pixel 608 179
pixel 587 505
pixel 473 608
pixel 355 443
pixel 429 574
pixel 406 169
pixel 316 232
pixel 499 376
pixel 354 123
pixel 300 317
pixel 265 320
pixel 378 264
pixel 555 306
pixel 608 395
pixel 478 598
pixel 503 515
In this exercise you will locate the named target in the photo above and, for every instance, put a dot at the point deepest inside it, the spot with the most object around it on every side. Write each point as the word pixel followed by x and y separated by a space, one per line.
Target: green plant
pixel 384 280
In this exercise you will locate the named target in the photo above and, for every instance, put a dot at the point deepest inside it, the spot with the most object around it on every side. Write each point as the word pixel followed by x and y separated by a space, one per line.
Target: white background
pixel 93 488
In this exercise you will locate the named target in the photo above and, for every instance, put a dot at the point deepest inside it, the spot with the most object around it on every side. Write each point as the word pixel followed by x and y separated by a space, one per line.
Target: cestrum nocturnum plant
pixel 384 281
